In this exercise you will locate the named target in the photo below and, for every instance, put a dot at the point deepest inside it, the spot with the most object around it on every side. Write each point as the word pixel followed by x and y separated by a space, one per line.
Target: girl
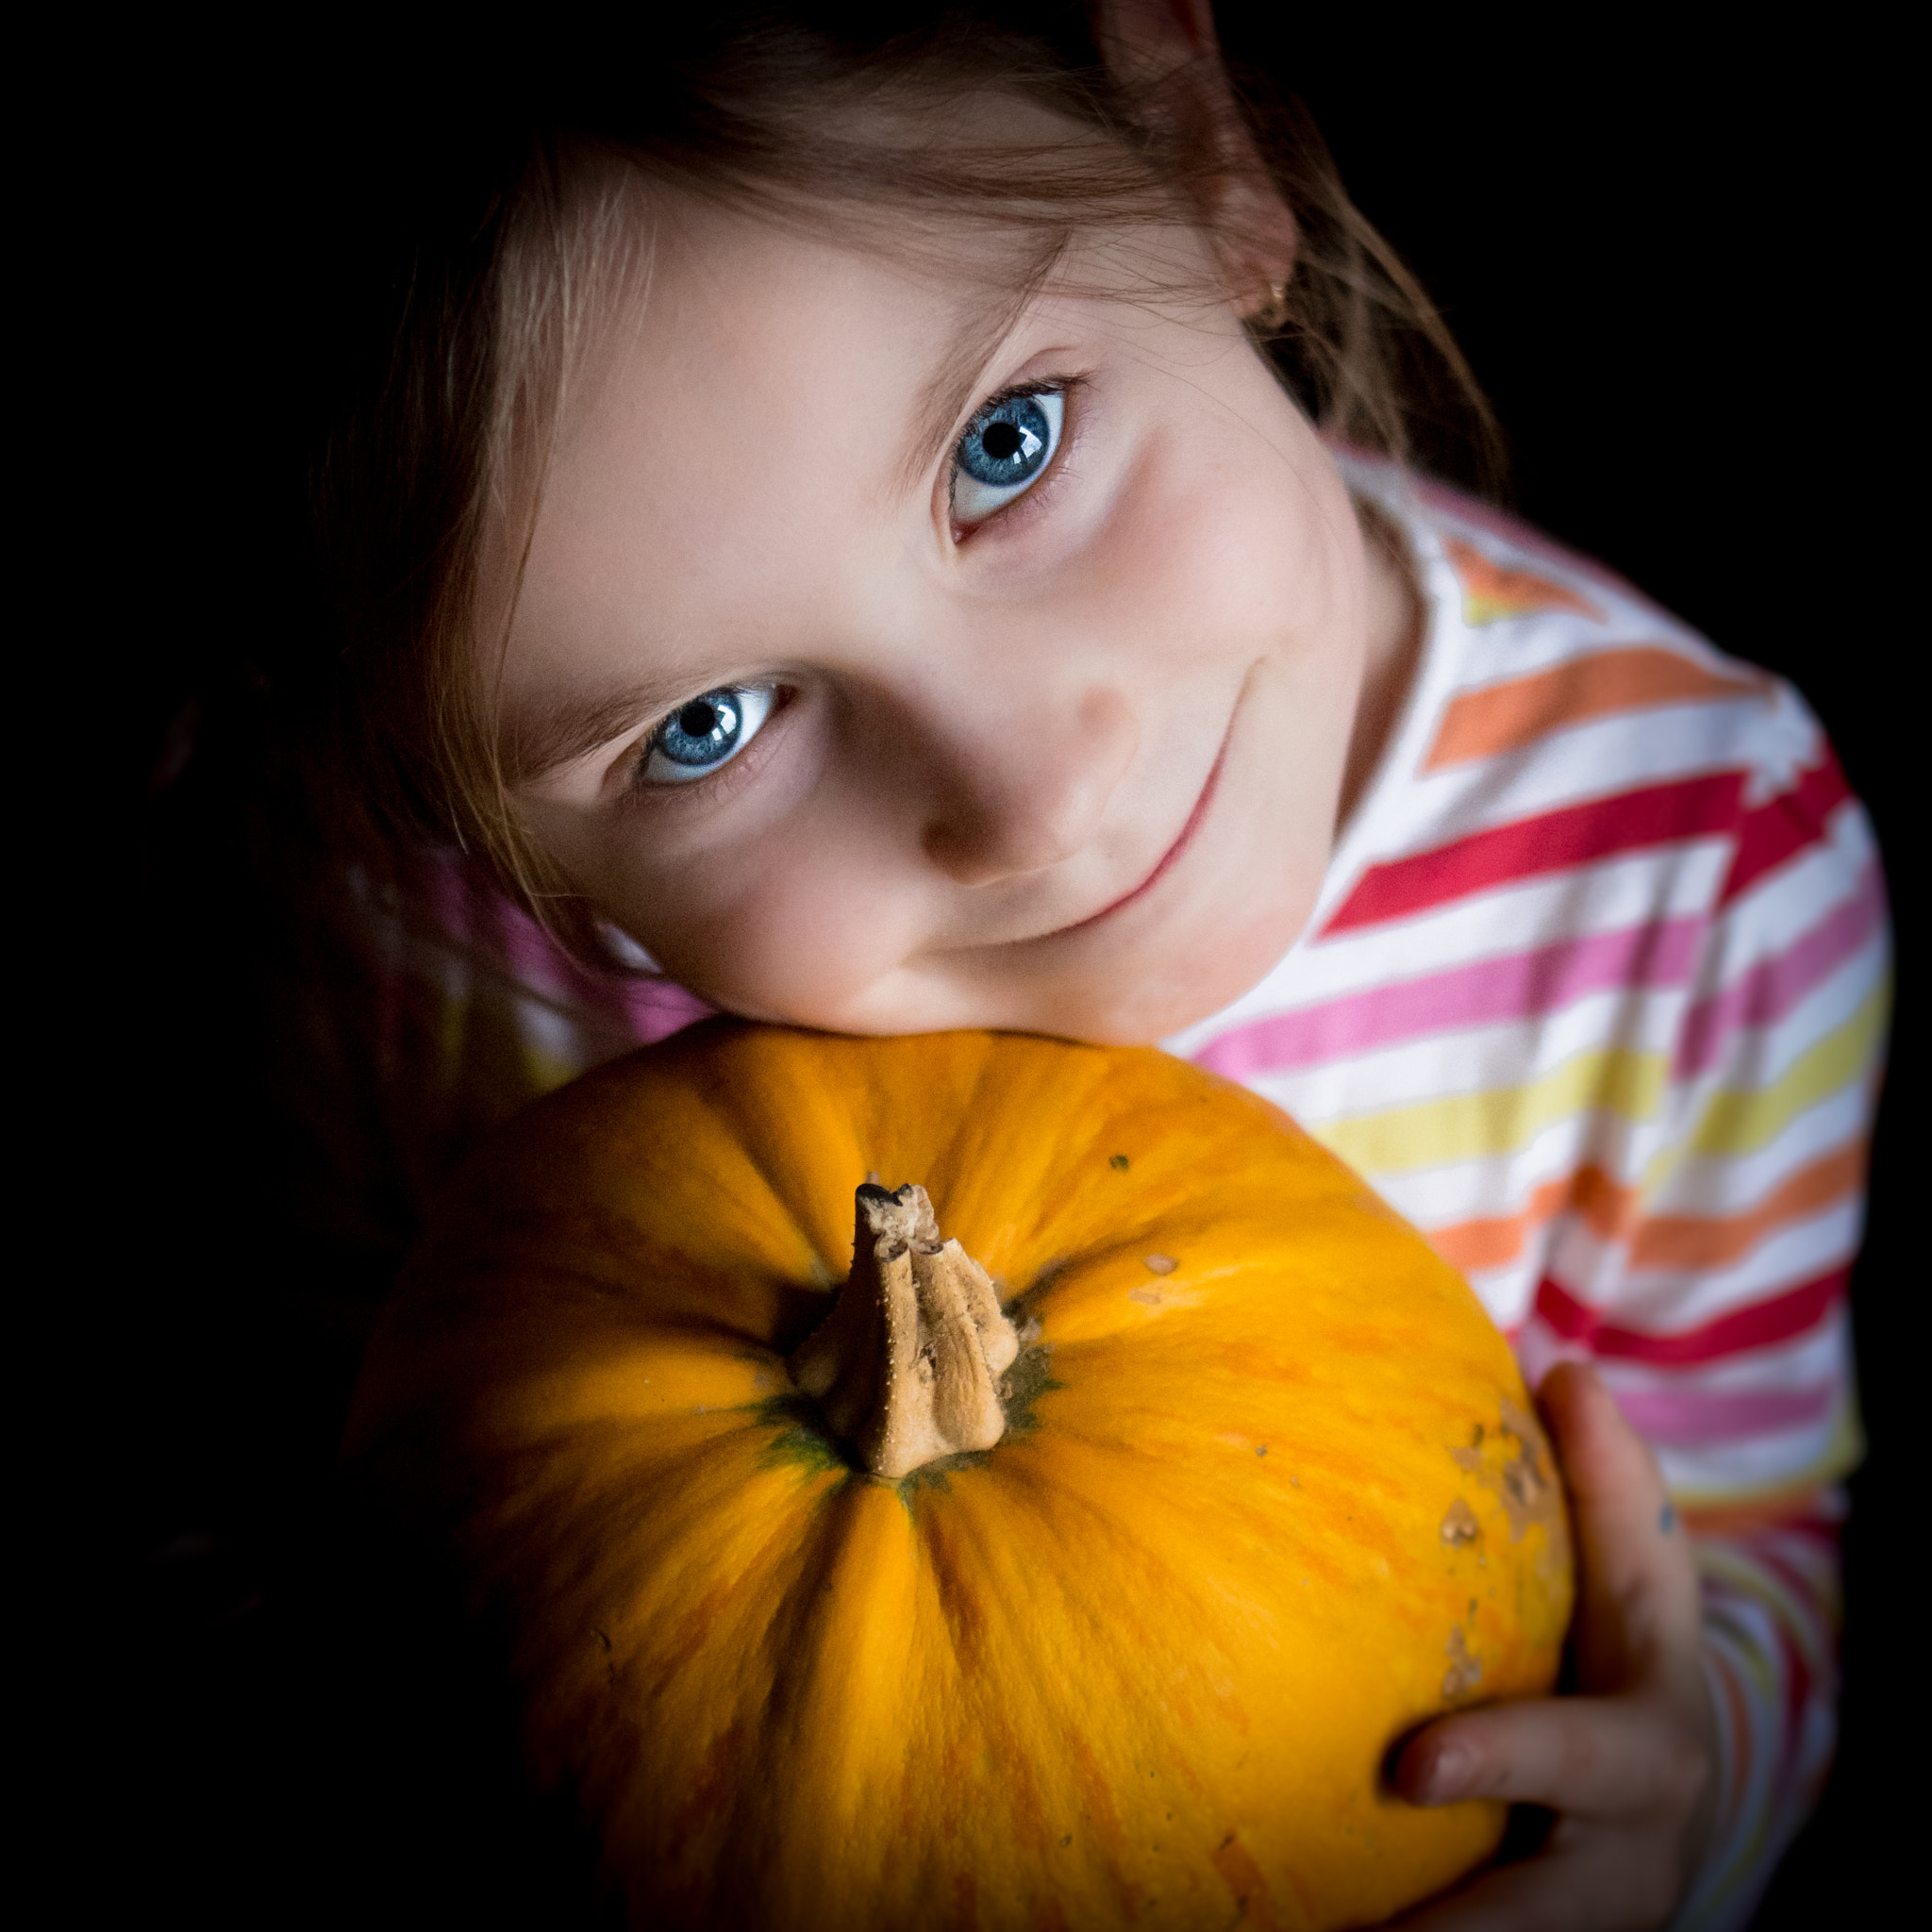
pixel 892 528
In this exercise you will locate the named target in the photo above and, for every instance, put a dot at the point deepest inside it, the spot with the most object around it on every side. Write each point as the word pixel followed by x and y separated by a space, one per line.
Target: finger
pixel 1590 1885
pixel 1640 1592
pixel 1622 1758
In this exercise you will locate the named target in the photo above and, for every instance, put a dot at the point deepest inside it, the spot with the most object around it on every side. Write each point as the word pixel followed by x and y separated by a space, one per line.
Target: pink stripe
pixel 1684 1421
pixel 658 1007
pixel 1772 986
pixel 1514 986
pixel 652 1010
pixel 474 915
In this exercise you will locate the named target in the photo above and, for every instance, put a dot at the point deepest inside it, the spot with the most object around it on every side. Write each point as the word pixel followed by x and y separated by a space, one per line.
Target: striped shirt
pixel 1595 993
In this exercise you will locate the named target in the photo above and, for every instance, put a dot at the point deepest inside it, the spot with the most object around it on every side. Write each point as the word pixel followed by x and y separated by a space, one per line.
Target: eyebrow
pixel 559 731
pixel 958 371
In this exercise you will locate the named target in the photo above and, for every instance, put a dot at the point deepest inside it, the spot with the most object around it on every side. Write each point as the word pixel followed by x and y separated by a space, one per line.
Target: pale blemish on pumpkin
pixel 1523 1481
pixel 1174 1295
pixel 1160 1264
pixel 1465 1671
pixel 1459 1525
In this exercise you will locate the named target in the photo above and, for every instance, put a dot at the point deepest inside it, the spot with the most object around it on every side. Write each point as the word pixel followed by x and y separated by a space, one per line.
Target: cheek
pixel 797 925
pixel 1229 545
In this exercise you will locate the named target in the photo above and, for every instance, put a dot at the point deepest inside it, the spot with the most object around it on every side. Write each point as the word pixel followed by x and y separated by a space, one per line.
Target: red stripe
pixel 1797 1695
pixel 1794 1312
pixel 1793 820
pixel 1797 1584
pixel 1625 822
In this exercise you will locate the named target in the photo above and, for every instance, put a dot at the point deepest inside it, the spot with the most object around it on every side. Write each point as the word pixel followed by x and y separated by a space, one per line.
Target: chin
pixel 1164 995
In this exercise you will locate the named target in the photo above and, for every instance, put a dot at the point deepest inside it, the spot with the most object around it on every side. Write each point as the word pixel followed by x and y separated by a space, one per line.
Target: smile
pixel 1171 856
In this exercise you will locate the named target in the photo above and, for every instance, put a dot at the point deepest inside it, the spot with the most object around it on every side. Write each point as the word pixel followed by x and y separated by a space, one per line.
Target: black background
pixel 1679 263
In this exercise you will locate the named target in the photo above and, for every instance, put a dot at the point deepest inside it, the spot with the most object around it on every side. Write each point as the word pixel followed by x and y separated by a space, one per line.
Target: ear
pixel 1167 52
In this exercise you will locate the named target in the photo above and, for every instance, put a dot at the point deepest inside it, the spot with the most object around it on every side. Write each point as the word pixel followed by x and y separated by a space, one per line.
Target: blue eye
pixel 1005 449
pixel 709 732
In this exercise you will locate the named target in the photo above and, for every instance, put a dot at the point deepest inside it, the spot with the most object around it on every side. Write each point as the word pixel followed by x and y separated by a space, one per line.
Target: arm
pixel 1769 1580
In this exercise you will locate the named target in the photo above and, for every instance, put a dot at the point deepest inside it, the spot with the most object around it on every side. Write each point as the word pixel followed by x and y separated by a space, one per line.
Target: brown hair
pixel 517 237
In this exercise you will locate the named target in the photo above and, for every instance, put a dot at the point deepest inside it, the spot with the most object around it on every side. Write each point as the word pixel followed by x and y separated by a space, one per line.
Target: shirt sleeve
pixel 1715 1306
pixel 1771 1626
pixel 1716 1312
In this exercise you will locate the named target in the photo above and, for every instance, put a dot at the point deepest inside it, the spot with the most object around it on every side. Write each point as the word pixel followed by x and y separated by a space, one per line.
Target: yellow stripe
pixel 1741 1122
pixel 1841 1456
pixel 1471 1126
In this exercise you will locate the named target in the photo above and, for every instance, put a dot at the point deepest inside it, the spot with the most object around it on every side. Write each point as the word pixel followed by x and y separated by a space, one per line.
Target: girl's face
pixel 887 661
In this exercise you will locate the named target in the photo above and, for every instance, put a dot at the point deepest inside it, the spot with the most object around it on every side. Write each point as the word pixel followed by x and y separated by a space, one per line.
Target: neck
pixel 1398 620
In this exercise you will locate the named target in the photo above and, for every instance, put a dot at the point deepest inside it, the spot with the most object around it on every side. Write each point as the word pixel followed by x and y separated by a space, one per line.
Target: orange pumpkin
pixel 1266 1491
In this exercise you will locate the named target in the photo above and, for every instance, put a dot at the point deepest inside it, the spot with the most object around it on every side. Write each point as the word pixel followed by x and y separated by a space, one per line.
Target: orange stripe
pixel 1762 1512
pixel 1665 1240
pixel 1480 724
pixel 1688 1241
pixel 1601 1203
pixel 1490 592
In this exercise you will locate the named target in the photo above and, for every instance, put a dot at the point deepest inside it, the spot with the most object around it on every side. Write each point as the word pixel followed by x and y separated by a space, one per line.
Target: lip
pixel 1174 854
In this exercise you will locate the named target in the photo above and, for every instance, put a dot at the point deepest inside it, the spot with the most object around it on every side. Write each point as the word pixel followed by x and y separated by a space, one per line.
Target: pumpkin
pixel 1076 1565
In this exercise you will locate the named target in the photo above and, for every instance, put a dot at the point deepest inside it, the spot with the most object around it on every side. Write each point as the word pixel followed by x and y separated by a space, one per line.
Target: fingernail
pixel 1448 1777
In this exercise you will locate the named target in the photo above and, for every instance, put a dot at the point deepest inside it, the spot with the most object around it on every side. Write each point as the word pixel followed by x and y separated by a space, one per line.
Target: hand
pixel 1628 1764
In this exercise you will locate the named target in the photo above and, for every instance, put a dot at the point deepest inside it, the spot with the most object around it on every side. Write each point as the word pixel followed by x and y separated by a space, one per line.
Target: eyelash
pixel 722 779
pixel 1063 386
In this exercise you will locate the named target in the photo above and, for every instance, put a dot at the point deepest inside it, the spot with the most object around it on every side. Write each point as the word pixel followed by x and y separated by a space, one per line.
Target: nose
pixel 1031 786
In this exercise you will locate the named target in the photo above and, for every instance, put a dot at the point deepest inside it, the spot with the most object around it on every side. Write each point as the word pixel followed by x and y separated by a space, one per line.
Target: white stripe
pixel 1723 1184
pixel 1794 1252
pixel 1526 915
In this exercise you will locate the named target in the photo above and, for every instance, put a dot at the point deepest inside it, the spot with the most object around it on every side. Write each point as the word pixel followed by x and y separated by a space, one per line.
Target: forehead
pixel 754 426
pixel 753 407
pixel 750 393
pixel 734 333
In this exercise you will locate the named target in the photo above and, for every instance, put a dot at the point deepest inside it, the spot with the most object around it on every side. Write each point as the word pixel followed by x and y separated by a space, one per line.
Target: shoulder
pixel 1561 719
pixel 1555 655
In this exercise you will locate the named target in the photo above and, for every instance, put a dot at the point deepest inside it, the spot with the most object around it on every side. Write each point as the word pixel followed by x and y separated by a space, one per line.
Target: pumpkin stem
pixel 906 1366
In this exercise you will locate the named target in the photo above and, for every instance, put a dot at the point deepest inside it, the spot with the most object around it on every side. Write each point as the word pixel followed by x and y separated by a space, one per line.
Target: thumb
pixel 1639 1602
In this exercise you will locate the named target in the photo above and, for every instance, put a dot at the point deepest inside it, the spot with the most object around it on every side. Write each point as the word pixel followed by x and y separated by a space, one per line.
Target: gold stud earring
pixel 1273 312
